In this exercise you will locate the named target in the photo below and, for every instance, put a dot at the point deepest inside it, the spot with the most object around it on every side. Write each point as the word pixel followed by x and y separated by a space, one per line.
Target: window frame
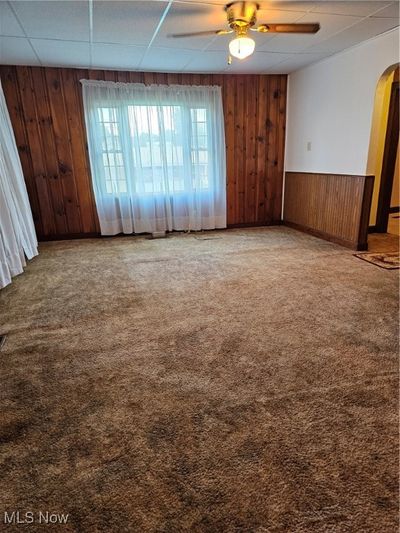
pixel 120 113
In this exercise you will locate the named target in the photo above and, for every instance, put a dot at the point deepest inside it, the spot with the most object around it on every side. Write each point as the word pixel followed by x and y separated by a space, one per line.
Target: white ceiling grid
pixel 133 34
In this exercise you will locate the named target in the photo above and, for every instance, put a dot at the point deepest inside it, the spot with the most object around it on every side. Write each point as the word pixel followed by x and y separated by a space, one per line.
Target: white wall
pixel 330 105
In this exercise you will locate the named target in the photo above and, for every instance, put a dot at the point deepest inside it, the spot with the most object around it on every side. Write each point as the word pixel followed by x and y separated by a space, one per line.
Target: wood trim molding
pixel 329 174
pixel 321 234
pixel 334 207
pixel 362 243
pixel 389 160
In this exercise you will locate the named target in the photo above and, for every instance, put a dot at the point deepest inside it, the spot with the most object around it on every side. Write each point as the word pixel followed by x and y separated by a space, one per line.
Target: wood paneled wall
pixel 45 106
pixel 334 207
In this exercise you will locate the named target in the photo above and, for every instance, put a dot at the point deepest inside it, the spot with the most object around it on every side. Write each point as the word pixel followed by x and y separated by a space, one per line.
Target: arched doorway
pixel 383 150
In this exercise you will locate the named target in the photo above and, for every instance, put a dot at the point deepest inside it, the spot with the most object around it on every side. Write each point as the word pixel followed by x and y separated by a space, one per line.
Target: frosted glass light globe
pixel 241 46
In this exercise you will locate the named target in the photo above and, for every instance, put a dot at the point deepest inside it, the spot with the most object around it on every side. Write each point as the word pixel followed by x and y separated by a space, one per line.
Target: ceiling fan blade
pixel 288 28
pixel 200 33
pixel 223 32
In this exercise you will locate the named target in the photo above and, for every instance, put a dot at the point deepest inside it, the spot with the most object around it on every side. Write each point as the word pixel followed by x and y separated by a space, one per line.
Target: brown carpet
pixel 246 383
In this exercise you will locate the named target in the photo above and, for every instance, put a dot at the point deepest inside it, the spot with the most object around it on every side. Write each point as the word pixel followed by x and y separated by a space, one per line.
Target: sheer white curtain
pixel 157 156
pixel 17 232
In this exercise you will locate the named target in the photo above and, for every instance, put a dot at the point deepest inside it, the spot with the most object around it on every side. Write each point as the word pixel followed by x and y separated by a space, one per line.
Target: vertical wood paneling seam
pixel 43 166
pixel 50 111
pixel 89 178
pixel 66 121
pixel 281 137
pixel 20 118
pixel 256 150
pixel 59 182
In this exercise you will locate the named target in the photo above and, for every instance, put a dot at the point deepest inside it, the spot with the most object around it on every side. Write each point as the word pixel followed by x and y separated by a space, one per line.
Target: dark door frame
pixel 389 160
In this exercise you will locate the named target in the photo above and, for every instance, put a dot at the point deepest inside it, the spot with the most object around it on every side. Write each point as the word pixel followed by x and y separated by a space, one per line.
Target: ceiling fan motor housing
pixel 241 15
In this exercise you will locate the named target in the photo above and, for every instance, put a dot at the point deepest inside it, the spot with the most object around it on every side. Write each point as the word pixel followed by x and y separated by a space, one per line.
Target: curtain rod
pixel 105 83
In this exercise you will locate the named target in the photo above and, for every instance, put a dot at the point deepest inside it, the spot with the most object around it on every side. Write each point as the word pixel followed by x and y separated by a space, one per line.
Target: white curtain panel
pixel 17 231
pixel 157 156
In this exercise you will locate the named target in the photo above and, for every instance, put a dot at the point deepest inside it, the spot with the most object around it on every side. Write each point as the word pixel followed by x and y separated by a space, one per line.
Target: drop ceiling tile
pixel 165 59
pixel 213 2
pixel 297 61
pixel 8 23
pixel 288 43
pixel 17 51
pixel 366 29
pixel 259 62
pixel 184 18
pixel 348 7
pixel 288 5
pixel 117 56
pixel 54 20
pixel 133 22
pixel 188 43
pixel 220 43
pixel 391 11
pixel 126 22
pixel 208 62
pixel 330 24
pixel 278 15
pixel 62 53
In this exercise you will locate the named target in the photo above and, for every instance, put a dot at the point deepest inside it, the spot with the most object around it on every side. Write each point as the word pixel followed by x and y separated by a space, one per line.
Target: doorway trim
pixel 389 160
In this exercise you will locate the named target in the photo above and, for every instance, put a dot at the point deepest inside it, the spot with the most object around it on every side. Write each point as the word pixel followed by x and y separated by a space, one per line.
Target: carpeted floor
pixel 243 381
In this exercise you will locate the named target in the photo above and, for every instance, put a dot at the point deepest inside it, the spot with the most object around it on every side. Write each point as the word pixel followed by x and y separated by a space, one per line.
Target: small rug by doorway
pixel 388 260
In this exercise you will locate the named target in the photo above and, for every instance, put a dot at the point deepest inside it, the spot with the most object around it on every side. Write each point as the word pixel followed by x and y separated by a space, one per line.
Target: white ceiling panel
pixel 278 15
pixel 392 11
pixel 117 56
pixel 288 5
pixel 208 62
pixel 184 18
pixel 126 22
pixel 297 61
pixel 349 7
pixel 168 57
pixel 17 51
pixel 188 43
pixel 359 8
pixel 53 53
pixel 220 43
pixel 366 29
pixel 330 24
pixel 220 3
pixel 54 20
pixel 8 23
pixel 133 35
pixel 259 62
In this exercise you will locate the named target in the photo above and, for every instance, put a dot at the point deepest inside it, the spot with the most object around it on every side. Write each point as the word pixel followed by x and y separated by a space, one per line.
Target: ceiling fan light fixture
pixel 241 47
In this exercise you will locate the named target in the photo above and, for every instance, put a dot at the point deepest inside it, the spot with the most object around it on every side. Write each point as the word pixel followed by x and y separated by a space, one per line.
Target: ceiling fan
pixel 242 17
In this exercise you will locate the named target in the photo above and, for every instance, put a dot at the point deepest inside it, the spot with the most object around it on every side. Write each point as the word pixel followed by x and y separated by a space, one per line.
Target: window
pixel 199 152
pixel 111 152
pixel 157 143
pixel 157 156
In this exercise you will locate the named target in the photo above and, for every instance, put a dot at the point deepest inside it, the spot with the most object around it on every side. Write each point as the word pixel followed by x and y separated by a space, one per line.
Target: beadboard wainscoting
pixel 334 207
